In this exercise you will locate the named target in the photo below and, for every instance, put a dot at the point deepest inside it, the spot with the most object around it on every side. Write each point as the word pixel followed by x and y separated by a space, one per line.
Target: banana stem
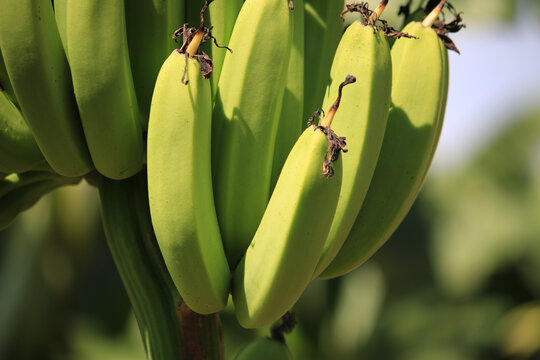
pixel 195 43
pixel 433 15
pixel 329 117
pixel 378 11
pixel 202 335
pixel 128 229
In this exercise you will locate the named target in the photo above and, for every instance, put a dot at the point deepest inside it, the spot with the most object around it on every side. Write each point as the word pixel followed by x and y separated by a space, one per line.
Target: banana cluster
pixel 246 198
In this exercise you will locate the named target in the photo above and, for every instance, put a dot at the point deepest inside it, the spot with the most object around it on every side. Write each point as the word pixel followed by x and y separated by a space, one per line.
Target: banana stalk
pixel 126 220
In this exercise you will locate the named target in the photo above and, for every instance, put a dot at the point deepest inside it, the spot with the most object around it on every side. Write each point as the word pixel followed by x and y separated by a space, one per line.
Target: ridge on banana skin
pixel 419 92
pixel 42 83
pixel 103 85
pixel 279 263
pixel 180 185
pixel 246 112
pixel 18 149
pixel 361 120
pixel 282 256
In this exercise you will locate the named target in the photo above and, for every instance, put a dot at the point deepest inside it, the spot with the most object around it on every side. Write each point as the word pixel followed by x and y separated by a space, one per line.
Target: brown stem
pixel 202 335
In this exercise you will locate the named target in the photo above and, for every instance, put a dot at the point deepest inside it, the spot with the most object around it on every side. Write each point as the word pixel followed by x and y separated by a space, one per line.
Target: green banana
pixel 5 84
pixel 60 14
pixel 39 74
pixel 15 181
pixel 180 185
pixel 223 14
pixel 18 149
pixel 150 25
pixel 291 116
pixel 126 221
pixel 282 256
pixel 324 27
pixel 419 92
pixel 23 197
pixel 362 117
pixel 247 106
pixel 104 86
pixel 265 349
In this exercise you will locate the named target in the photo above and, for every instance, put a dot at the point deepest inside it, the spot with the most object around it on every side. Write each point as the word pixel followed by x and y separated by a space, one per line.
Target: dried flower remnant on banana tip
pixel 192 38
pixel 371 17
pixel 433 9
pixel 336 144
pixel 442 28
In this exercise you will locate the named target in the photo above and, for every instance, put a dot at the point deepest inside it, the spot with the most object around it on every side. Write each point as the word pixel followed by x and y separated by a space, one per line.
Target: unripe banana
pixel 150 26
pixel 223 14
pixel 419 92
pixel 23 197
pixel 265 349
pixel 291 116
pixel 323 27
pixel 246 112
pixel 361 119
pixel 5 84
pixel 99 60
pixel 180 185
pixel 282 256
pixel 18 149
pixel 60 15
pixel 39 73
pixel 15 181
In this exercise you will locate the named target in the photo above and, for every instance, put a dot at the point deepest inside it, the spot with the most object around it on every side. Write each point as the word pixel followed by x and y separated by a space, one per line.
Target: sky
pixel 496 77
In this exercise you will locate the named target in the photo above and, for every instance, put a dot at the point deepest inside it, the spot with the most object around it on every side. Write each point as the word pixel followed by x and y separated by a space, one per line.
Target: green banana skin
pixel 5 84
pixel 15 181
pixel 60 14
pixel 126 221
pixel 420 88
pixel 247 107
pixel 180 186
pixel 18 149
pixel 361 119
pixel 103 86
pixel 150 26
pixel 24 197
pixel 282 256
pixel 39 73
pixel 324 27
pixel 291 116
pixel 265 349
pixel 223 14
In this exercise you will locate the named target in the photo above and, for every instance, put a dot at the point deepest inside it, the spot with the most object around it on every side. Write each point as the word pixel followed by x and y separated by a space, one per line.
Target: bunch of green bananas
pixel 244 198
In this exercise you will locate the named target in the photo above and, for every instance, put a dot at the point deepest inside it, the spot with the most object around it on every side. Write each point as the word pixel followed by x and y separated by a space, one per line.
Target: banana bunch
pixel 245 200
